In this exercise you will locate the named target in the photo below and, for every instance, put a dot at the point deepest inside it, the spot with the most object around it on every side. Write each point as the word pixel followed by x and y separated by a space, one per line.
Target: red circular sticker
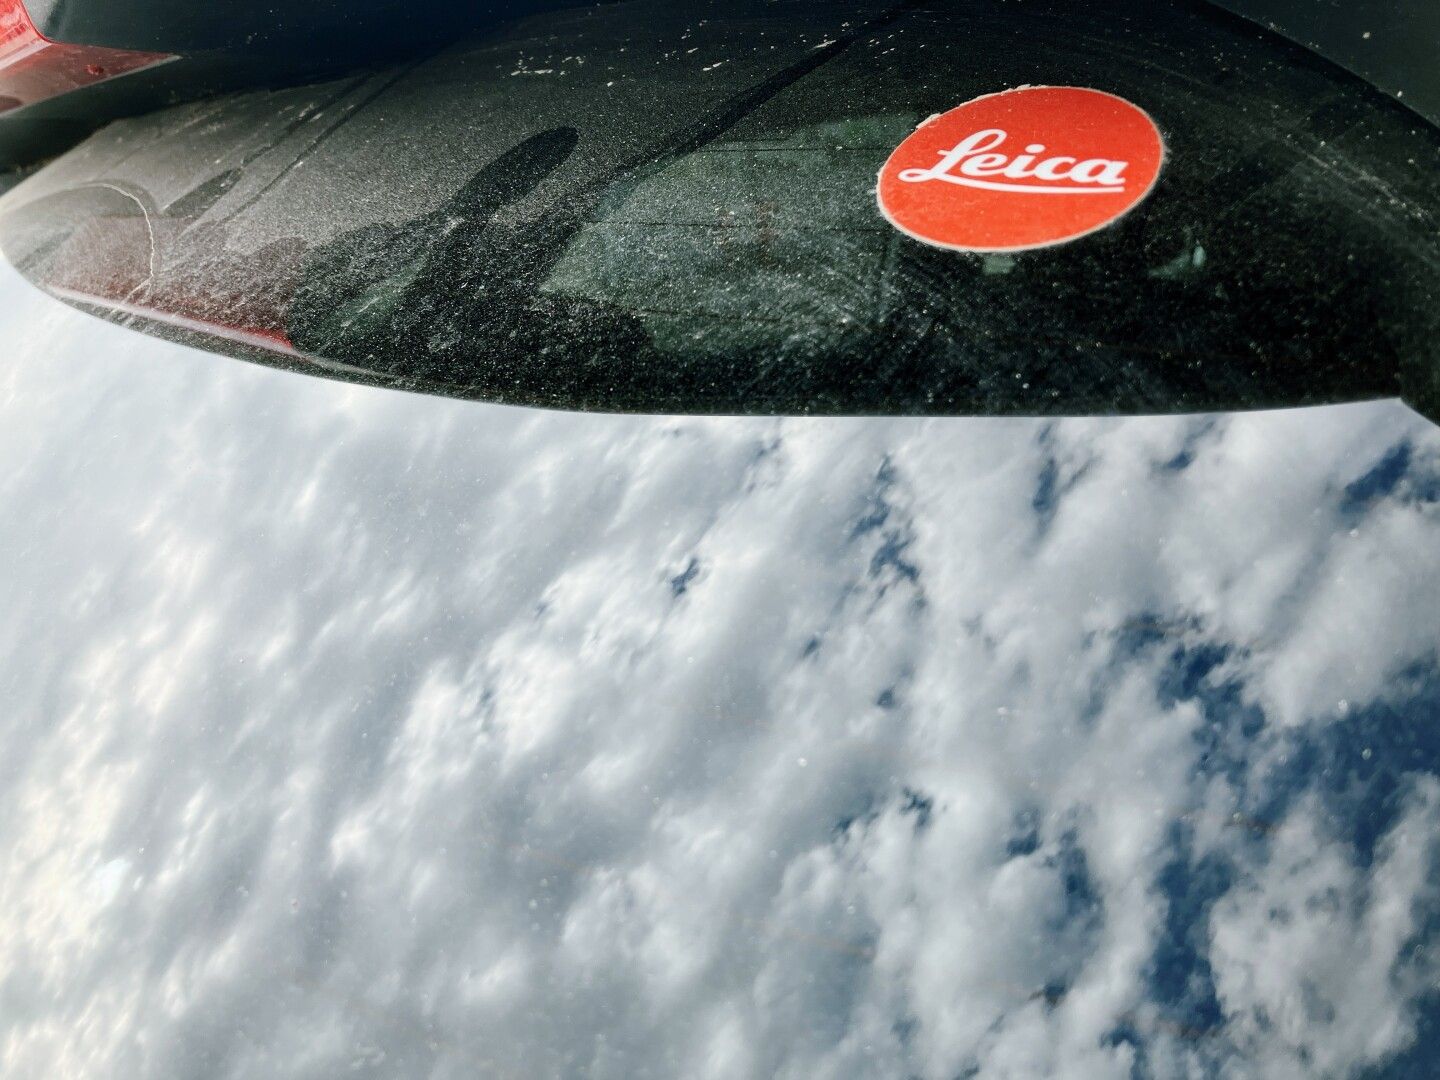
pixel 1024 168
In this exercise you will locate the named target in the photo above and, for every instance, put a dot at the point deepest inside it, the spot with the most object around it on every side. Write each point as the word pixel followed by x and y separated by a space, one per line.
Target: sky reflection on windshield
pixel 356 732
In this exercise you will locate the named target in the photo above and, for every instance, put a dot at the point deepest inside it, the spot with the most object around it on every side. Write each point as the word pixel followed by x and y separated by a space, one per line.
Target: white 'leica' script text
pixel 970 161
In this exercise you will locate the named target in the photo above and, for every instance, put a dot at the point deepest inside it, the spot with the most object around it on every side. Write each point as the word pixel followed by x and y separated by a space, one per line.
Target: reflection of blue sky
pixel 351 732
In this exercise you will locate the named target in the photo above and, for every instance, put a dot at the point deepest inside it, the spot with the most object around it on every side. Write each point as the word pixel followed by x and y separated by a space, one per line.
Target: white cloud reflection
pixel 350 732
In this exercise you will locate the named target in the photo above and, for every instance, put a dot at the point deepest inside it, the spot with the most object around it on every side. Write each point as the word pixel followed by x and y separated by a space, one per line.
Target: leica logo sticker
pixel 1025 168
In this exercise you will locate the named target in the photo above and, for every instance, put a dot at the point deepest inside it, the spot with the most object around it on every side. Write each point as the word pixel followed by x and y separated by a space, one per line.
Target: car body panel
pixel 210 48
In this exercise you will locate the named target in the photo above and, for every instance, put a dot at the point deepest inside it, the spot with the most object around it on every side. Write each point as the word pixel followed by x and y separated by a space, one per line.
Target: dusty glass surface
pixel 351 732
pixel 670 206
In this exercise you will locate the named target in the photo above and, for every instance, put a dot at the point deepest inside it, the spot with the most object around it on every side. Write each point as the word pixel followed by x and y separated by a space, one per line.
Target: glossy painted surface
pixel 350 732
pixel 33 68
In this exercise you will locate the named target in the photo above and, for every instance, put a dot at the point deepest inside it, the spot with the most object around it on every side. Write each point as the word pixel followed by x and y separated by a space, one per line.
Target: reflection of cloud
pixel 351 731
pixel 1314 956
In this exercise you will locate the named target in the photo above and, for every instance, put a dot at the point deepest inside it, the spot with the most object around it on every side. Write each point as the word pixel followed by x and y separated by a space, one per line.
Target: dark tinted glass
pixel 671 207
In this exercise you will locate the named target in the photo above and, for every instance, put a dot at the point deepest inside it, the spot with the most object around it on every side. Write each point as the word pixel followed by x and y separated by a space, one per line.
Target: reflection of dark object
pixel 1288 256
pixel 472 317
pixel 423 300
pixel 1307 297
